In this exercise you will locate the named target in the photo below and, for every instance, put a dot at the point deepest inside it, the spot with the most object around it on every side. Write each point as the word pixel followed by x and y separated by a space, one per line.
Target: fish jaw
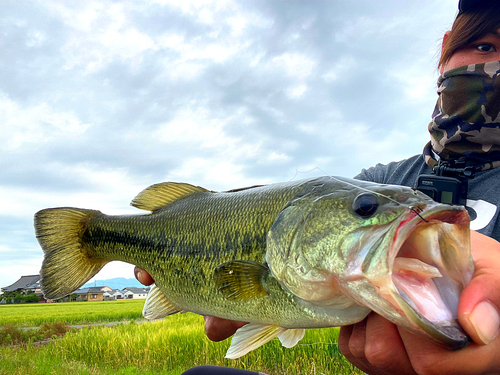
pixel 427 266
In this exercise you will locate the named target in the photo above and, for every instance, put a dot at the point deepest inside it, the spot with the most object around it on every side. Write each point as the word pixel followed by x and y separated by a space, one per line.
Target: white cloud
pixel 296 91
pixel 204 11
pixel 217 173
pixel 295 65
pixel 182 70
pixel 110 191
pixel 197 127
pixel 36 39
pixel 12 270
pixel 340 68
pixel 275 158
pixel 416 83
pixel 98 34
pixel 374 25
pixel 25 126
pixel 93 50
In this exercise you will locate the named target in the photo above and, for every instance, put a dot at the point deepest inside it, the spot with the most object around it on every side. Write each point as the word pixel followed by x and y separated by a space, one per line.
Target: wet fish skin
pixel 234 254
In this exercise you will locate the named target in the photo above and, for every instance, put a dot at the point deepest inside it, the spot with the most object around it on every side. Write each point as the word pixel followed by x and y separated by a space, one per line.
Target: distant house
pixel 135 293
pixel 113 294
pixel 31 284
pixel 25 285
pixel 94 293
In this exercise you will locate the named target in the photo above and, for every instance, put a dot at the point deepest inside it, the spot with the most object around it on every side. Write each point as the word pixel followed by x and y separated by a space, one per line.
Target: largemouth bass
pixel 285 257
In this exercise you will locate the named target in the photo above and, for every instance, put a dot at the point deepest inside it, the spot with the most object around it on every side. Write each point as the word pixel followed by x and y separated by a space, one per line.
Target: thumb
pixel 143 276
pixel 479 306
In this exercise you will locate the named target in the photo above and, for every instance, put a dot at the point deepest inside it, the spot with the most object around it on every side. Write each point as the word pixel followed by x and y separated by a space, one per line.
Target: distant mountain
pixel 116 283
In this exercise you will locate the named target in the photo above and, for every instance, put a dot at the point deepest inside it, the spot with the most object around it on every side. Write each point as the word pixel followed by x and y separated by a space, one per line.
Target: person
pixel 465 132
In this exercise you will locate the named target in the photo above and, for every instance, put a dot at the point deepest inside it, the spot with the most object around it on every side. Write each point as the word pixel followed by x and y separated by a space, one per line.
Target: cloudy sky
pixel 100 99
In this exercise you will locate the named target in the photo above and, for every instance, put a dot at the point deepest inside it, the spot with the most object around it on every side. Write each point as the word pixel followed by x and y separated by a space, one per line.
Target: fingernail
pixel 486 321
pixel 139 275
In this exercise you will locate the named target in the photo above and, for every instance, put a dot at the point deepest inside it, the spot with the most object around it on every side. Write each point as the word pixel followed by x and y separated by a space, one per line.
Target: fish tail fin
pixel 67 264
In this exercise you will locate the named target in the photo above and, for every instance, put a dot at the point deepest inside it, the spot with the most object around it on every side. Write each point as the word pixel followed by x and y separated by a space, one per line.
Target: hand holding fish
pixel 377 346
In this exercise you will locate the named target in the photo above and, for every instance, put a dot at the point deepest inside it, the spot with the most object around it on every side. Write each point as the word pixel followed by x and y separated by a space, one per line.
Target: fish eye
pixel 365 205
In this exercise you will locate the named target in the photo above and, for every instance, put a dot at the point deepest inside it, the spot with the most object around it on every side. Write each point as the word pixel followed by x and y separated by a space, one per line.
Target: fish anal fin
pixel 240 280
pixel 250 337
pixel 159 195
pixel 158 306
pixel 290 337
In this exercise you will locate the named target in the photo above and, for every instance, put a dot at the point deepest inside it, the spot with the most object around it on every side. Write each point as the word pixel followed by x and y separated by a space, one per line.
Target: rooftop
pixel 25 282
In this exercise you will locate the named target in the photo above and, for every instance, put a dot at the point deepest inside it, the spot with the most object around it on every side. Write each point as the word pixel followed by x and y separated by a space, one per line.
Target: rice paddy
pixel 169 346
pixel 71 312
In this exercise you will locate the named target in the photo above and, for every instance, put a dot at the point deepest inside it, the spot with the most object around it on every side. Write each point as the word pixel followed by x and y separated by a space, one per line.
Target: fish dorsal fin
pixel 240 280
pixel 250 337
pixel 159 195
pixel 157 306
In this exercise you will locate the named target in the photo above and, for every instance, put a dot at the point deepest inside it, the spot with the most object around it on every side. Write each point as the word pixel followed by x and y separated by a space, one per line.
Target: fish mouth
pixel 430 267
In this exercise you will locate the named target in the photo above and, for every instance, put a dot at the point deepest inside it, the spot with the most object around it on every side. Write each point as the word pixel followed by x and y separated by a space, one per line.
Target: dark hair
pixel 468 27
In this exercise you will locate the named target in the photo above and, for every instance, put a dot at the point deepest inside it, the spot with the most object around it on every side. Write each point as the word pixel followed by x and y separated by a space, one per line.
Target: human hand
pixel 377 346
pixel 217 329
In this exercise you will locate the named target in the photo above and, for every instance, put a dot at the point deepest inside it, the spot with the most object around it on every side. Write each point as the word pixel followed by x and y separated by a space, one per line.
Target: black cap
pixel 468 5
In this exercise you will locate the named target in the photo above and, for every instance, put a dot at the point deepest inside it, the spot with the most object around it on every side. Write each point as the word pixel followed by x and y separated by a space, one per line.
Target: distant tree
pixel 30 298
pixel 8 295
pixel 16 297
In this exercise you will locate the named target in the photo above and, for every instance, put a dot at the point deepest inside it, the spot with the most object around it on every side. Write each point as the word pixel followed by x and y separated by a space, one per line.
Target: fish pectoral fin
pixel 158 196
pixel 290 337
pixel 157 306
pixel 240 280
pixel 250 337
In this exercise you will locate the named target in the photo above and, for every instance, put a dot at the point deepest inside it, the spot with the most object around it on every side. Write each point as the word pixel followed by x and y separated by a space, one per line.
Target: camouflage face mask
pixel 465 125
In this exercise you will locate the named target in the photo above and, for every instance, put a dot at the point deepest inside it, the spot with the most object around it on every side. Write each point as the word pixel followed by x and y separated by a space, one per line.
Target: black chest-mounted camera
pixel 446 184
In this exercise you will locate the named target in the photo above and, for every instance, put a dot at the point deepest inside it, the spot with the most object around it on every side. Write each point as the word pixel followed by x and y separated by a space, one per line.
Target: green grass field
pixel 170 346
pixel 71 312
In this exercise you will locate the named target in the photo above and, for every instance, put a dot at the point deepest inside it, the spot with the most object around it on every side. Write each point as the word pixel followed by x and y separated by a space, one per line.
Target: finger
pixel 384 348
pixel 351 344
pixel 481 319
pixel 428 357
pixel 478 310
pixel 343 341
pixel 143 276
pixel 218 329
pixel 357 340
